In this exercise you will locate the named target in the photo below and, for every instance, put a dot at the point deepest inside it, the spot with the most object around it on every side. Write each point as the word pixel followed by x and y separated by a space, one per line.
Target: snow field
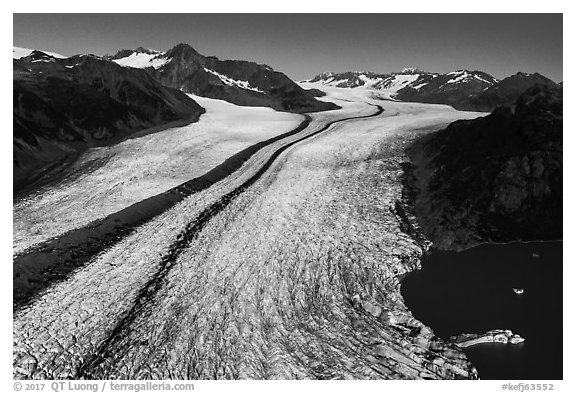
pixel 142 60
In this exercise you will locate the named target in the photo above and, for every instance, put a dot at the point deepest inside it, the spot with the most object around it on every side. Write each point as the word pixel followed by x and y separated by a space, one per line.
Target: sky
pixel 303 45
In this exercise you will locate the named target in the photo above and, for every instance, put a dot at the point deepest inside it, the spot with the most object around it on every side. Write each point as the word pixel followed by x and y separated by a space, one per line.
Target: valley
pixel 288 267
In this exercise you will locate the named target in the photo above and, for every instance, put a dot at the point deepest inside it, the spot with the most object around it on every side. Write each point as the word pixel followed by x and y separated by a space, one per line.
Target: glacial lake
pixel 472 292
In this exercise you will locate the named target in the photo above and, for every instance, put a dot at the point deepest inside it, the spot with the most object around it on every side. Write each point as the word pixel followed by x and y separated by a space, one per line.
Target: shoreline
pixel 407 205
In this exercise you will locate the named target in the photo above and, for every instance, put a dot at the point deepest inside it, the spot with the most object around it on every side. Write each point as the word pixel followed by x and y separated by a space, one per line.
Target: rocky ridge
pixel 493 179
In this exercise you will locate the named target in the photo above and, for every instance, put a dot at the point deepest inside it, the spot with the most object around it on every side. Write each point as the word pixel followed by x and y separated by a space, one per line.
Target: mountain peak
pixel 183 49
pixel 147 51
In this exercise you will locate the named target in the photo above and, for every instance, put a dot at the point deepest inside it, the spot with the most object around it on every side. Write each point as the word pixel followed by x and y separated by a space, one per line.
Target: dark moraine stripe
pixel 55 259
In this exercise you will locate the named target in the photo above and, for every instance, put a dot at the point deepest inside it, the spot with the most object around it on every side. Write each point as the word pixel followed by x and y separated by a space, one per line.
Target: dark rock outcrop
pixel 492 179
pixel 63 106
pixel 316 92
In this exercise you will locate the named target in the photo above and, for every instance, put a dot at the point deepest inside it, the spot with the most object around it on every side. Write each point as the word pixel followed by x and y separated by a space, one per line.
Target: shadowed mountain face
pixel 239 82
pixel 497 178
pixel 505 92
pixel 63 106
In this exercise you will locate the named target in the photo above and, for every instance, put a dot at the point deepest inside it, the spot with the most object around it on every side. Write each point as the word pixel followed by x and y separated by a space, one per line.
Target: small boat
pixel 518 291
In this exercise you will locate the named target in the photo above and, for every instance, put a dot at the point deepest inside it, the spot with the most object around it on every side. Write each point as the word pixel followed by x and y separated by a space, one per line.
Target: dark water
pixel 471 292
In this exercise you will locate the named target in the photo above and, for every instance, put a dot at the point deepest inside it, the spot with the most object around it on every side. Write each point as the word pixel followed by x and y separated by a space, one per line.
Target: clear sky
pixel 303 45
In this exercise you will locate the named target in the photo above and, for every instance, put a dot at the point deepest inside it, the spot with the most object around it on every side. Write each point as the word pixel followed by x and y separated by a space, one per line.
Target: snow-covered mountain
pixel 407 78
pixel 390 82
pixel 235 81
pixel 462 89
pixel 456 88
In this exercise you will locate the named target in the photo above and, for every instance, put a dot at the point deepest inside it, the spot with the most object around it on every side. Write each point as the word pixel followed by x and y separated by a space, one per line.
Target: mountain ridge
pixel 240 82
pixel 462 89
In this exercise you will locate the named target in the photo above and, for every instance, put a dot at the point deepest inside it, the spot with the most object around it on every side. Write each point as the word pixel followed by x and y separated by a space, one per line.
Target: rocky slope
pixel 497 178
pixel 64 105
pixel 239 82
